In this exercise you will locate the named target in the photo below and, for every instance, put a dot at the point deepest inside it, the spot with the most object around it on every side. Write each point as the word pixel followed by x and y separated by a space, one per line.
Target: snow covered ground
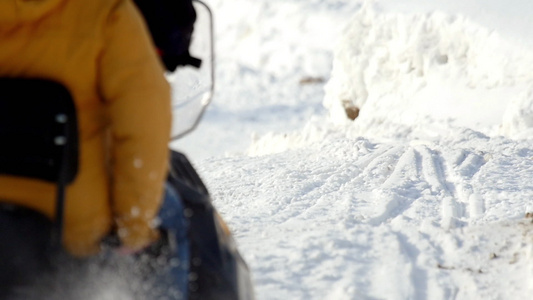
pixel 425 195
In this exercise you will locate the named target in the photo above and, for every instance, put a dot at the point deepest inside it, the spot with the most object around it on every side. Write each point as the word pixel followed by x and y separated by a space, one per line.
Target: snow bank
pixel 419 76
pixel 399 67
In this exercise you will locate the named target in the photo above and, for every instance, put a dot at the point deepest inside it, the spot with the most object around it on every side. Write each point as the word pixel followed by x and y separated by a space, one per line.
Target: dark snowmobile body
pixel 39 140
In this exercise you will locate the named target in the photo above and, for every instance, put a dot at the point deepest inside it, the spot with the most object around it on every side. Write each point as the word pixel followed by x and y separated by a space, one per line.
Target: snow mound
pixel 400 67
pixel 418 76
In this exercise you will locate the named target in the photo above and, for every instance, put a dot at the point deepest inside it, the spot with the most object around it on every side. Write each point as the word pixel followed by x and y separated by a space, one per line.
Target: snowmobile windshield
pixel 192 87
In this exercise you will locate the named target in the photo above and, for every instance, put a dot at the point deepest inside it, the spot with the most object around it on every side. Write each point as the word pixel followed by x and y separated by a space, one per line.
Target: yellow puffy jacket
pixel 101 51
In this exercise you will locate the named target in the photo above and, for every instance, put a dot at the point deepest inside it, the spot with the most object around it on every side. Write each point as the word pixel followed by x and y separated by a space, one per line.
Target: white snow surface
pixel 425 195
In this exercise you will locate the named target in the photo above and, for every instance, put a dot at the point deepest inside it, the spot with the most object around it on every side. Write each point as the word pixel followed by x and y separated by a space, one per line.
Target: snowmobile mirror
pixel 192 87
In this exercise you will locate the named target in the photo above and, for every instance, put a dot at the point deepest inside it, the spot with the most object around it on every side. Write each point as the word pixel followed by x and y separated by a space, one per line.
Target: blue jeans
pixel 172 220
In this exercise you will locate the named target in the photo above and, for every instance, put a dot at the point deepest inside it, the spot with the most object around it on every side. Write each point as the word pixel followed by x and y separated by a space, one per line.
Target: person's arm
pixel 138 96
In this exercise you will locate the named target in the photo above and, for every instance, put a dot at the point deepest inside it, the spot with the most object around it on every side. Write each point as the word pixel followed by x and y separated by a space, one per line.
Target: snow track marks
pixel 361 219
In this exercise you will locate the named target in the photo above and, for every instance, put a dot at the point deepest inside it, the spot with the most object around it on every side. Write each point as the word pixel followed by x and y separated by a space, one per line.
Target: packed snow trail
pixel 357 219
pixel 423 196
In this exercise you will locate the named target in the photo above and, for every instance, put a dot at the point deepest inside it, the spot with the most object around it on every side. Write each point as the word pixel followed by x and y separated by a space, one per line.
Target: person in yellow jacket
pixel 102 52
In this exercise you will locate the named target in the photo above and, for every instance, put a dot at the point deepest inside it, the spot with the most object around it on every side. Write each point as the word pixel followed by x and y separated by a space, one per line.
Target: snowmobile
pixel 40 141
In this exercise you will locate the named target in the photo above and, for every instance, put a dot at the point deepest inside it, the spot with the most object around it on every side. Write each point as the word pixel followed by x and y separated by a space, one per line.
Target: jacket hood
pixel 19 11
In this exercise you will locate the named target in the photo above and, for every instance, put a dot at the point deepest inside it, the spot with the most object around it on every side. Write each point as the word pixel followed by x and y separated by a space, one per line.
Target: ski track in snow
pixel 421 197
pixel 354 219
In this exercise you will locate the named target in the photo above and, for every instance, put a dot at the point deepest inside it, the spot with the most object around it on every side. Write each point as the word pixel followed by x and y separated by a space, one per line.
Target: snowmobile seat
pixel 39 134
pixel 38 140
pixel 38 130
